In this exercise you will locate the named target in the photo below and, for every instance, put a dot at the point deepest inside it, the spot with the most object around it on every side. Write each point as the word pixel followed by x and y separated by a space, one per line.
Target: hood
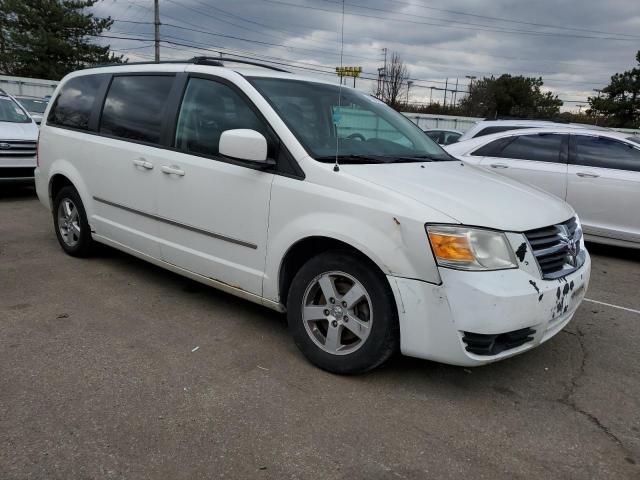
pixel 18 131
pixel 467 194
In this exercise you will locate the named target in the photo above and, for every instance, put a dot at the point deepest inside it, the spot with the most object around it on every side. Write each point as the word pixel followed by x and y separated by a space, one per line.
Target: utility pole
pixel 455 94
pixel 446 84
pixel 409 83
pixel 156 8
pixel 384 74
pixel 431 96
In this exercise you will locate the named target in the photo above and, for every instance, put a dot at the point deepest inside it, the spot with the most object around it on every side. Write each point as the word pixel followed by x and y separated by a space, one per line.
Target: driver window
pixel 208 109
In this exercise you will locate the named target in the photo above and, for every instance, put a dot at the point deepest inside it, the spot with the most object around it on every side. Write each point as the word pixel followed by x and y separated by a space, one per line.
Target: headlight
pixel 467 248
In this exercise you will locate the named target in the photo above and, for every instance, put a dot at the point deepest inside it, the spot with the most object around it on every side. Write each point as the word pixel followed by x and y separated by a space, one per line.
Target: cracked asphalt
pixel 100 378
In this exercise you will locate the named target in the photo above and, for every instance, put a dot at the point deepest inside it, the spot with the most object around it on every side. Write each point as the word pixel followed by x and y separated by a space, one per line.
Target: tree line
pixel 517 96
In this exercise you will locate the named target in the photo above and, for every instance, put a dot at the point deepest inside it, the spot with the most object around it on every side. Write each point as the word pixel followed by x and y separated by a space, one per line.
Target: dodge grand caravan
pixel 312 199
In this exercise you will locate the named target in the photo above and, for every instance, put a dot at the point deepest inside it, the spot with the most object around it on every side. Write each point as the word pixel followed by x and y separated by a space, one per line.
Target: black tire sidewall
pixel 383 339
pixel 83 246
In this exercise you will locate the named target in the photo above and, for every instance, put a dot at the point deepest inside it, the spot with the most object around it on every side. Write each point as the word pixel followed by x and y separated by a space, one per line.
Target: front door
pixel 214 210
pixel 538 159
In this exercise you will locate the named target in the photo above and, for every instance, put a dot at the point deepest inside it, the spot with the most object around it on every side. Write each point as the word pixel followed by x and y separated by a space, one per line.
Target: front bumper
pixel 434 319
pixel 17 169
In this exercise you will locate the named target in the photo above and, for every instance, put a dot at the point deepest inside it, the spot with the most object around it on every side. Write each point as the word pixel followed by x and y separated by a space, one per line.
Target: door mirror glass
pixel 243 144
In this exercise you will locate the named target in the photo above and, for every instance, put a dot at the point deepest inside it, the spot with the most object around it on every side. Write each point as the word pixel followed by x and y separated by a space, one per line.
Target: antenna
pixel 336 166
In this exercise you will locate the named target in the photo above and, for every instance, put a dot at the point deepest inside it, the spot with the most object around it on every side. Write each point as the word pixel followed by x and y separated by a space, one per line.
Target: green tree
pixel 50 38
pixel 620 100
pixel 509 96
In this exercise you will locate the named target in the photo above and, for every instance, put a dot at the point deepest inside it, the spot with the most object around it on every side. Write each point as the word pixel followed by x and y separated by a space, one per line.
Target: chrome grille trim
pixel 557 248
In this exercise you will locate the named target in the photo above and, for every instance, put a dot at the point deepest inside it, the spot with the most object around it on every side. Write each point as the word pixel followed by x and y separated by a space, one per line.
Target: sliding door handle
pixel 141 162
pixel 587 175
pixel 499 165
pixel 172 170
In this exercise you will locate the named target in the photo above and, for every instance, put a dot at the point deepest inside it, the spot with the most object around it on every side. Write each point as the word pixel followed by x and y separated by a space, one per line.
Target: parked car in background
pixel 443 136
pixel 596 171
pixel 34 105
pixel 18 137
pixel 314 199
pixel 488 127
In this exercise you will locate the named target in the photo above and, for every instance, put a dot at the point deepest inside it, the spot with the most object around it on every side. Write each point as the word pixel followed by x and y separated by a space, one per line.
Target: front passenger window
pixel 208 109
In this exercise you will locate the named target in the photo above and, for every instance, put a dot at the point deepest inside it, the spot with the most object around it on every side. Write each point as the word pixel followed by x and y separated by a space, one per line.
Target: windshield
pixel 367 130
pixel 34 105
pixel 10 111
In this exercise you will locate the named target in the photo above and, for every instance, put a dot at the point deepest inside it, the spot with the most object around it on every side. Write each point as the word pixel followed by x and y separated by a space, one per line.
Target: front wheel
pixel 342 314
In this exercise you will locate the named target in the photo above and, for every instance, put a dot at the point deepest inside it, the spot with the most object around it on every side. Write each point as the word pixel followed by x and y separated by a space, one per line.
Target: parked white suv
pixel 596 171
pixel 18 137
pixel 313 199
pixel 488 127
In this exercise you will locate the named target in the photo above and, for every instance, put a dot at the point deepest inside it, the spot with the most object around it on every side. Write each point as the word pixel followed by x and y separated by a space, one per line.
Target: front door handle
pixel 587 175
pixel 141 162
pixel 499 165
pixel 172 170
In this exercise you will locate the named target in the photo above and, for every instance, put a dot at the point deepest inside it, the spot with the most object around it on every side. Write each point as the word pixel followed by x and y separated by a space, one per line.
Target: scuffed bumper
pixel 434 318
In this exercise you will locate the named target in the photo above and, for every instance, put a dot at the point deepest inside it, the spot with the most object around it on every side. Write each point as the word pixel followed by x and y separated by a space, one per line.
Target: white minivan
pixel 312 199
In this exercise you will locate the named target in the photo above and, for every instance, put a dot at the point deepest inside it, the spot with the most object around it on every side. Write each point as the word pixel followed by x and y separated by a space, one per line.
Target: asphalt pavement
pixel 111 368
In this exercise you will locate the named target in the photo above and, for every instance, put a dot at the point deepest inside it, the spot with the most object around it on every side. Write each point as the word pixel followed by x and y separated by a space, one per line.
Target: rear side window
pixel 74 103
pixel 542 148
pixel 606 153
pixel 490 130
pixel 134 107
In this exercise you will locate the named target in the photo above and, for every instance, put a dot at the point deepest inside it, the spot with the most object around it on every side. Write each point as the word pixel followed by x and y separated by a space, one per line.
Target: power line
pixel 508 20
pixel 518 32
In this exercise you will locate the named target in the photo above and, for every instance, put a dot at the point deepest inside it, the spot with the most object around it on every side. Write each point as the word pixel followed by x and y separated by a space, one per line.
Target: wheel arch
pixel 304 249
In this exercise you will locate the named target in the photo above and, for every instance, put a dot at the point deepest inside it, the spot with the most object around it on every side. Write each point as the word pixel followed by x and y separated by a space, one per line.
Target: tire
pixel 367 334
pixel 71 224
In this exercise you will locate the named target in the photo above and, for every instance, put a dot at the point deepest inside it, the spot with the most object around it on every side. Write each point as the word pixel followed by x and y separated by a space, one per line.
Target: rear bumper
pixel 440 322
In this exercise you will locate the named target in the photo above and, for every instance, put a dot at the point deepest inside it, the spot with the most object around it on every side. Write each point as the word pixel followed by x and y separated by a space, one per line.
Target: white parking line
pixel 612 306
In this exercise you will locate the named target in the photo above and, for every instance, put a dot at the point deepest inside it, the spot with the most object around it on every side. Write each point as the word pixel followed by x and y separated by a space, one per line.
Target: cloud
pixel 574 45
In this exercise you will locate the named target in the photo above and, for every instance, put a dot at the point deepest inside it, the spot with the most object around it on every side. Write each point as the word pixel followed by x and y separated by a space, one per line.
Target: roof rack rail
pixel 217 61
pixel 211 61
pixel 554 119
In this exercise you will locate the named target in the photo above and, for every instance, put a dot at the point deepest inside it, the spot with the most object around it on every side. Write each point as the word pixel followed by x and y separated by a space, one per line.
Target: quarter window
pixel 135 107
pixel 73 105
pixel 606 153
pixel 208 109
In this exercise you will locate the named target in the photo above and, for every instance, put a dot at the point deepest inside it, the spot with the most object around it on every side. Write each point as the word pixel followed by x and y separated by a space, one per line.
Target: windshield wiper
pixel 355 158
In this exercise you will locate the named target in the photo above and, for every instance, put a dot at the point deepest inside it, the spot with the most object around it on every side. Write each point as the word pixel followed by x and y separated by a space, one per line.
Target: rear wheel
pixel 71 224
pixel 342 314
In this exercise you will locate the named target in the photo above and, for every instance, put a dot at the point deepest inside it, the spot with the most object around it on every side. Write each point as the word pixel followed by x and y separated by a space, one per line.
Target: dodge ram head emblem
pixel 572 244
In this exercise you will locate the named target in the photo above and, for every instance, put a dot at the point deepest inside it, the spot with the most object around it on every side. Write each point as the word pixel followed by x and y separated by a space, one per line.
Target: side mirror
pixel 244 144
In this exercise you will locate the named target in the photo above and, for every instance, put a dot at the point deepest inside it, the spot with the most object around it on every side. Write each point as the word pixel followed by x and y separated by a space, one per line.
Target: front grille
pixel 16 172
pixel 17 148
pixel 484 344
pixel 557 248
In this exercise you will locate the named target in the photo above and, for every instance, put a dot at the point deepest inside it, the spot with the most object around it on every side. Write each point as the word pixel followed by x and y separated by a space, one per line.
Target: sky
pixel 574 45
